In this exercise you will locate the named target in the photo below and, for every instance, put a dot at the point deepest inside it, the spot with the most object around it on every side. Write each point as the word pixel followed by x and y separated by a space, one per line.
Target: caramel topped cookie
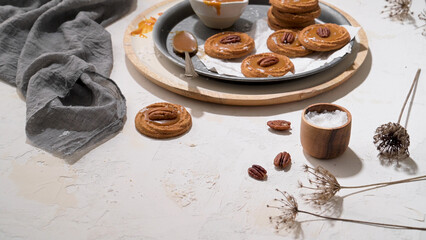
pixel 295 6
pixel 286 42
pixel 229 45
pixel 296 17
pixel 324 37
pixel 163 120
pixel 277 24
pixel 266 65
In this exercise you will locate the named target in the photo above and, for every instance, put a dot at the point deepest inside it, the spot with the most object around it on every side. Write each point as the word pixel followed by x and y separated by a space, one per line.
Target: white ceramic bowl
pixel 218 15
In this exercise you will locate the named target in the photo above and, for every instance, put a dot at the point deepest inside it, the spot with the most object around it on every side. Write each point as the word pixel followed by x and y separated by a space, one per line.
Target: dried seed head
pixel 422 16
pixel 398 9
pixel 289 209
pixel 323 185
pixel 392 141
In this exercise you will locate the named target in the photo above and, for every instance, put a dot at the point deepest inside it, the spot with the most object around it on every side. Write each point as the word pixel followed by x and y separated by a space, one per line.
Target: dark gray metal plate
pixel 182 17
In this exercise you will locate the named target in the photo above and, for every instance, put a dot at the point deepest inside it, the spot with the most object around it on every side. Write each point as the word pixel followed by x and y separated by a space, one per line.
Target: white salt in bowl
pixel 324 130
pixel 218 15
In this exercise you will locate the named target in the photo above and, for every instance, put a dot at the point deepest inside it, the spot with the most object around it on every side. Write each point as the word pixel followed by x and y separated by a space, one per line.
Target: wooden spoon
pixel 185 44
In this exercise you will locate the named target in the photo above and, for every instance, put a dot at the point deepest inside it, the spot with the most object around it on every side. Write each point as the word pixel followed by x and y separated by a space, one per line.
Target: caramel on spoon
pixel 184 43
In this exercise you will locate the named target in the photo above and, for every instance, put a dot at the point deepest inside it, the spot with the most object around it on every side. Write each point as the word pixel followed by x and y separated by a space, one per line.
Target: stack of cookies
pixel 296 14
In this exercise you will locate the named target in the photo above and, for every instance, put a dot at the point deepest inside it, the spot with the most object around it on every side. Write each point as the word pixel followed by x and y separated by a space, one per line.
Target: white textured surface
pixel 196 186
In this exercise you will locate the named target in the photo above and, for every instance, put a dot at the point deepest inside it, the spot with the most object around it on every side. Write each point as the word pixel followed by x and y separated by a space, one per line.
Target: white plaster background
pixel 196 186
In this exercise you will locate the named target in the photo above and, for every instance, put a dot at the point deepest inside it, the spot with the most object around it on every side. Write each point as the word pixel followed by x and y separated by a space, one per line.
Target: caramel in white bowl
pixel 218 14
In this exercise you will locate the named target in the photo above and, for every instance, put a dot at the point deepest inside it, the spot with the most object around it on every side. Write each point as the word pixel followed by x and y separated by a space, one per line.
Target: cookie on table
pixel 295 6
pixel 229 45
pixel 266 65
pixel 324 37
pixel 163 120
pixel 286 42
pixel 277 24
pixel 296 17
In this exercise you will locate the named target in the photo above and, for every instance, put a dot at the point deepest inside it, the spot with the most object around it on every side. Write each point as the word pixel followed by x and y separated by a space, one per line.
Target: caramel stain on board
pixel 145 26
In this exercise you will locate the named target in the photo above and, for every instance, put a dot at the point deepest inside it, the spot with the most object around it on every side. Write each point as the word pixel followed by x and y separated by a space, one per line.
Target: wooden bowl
pixel 325 143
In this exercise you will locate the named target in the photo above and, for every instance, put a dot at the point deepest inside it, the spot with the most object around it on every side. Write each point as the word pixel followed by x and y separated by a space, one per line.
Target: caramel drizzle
pixel 145 26
pixel 217 3
pixel 214 4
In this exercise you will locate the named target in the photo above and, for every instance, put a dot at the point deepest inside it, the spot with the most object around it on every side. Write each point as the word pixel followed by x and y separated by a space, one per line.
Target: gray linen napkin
pixel 57 53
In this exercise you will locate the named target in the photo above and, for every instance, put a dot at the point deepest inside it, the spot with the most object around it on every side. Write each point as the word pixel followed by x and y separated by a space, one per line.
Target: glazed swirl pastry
pixel 163 120
pixel 286 42
pixel 295 6
pixel 266 65
pixel 296 18
pixel 229 45
pixel 324 37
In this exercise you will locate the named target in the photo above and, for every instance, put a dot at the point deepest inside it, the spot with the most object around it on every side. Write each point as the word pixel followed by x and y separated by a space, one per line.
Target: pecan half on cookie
pixel 323 32
pixel 229 45
pixel 286 42
pixel 266 65
pixel 268 61
pixel 288 37
pixel 324 37
pixel 230 39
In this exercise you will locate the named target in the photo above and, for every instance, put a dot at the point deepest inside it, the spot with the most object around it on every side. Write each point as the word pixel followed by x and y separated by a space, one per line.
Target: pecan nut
pixel 257 172
pixel 162 114
pixel 323 32
pixel 282 160
pixel 268 61
pixel 288 37
pixel 230 39
pixel 280 125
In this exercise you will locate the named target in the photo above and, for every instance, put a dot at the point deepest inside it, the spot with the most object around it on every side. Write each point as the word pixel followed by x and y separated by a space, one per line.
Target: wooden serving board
pixel 152 65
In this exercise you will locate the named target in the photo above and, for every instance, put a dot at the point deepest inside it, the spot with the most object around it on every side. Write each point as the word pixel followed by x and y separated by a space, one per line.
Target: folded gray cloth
pixel 57 53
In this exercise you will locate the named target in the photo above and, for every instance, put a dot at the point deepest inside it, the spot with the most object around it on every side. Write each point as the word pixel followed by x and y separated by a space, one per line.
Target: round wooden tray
pixel 143 55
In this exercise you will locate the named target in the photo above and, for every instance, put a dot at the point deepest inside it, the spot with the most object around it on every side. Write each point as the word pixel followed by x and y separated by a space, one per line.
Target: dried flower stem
pixel 416 79
pixel 325 185
pixel 407 180
pixel 399 9
pixel 289 210
pixel 422 16
pixel 364 222
pixel 391 139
